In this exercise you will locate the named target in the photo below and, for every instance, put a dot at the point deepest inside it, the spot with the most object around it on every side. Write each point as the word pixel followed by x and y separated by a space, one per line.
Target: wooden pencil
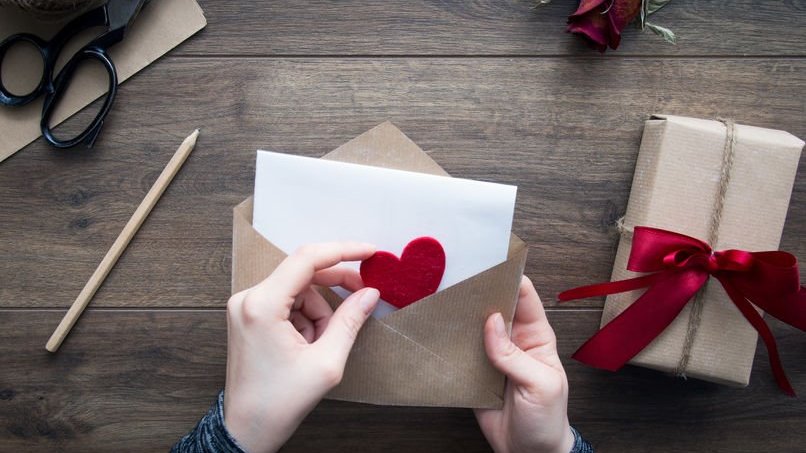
pixel 121 242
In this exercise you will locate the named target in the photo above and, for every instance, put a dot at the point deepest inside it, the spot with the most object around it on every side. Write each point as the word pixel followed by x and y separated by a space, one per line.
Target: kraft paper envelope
pixel 430 353
pixel 160 26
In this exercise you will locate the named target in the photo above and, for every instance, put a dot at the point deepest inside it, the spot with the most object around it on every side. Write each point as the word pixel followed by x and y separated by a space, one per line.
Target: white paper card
pixel 300 200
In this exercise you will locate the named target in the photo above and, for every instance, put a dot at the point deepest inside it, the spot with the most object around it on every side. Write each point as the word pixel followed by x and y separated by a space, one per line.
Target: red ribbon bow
pixel 679 266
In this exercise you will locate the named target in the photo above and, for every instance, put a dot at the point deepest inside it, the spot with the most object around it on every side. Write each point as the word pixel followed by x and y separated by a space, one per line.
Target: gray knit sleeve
pixel 580 445
pixel 210 435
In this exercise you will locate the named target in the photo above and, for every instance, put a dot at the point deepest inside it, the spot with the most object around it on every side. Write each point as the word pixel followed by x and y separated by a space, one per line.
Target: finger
pixel 531 328
pixel 507 358
pixel 296 272
pixel 347 320
pixel 487 417
pixel 303 325
pixel 530 312
pixel 339 276
pixel 314 307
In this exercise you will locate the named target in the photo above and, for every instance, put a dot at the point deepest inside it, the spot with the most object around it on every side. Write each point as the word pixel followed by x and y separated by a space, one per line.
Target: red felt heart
pixel 413 276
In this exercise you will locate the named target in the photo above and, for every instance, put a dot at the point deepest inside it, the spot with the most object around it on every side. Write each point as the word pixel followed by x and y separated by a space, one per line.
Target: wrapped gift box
pixel 680 172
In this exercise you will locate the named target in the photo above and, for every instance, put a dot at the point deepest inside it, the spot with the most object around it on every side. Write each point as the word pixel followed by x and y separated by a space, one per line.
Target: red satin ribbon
pixel 678 266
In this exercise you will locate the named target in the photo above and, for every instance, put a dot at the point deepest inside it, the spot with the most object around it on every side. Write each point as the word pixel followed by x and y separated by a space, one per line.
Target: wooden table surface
pixel 493 90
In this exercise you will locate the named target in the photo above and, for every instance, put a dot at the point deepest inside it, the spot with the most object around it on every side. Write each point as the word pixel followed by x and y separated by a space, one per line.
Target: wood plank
pixel 457 27
pixel 99 393
pixel 571 152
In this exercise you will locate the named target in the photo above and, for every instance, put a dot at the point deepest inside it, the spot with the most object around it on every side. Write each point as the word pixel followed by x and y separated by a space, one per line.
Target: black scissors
pixel 116 16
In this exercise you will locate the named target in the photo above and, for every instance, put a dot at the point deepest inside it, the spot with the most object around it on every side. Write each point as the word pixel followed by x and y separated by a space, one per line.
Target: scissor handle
pixel 9 98
pixel 60 85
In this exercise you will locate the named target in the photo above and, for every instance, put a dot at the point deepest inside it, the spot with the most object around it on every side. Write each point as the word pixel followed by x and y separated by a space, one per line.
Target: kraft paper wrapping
pixel 676 181
pixel 160 26
pixel 430 353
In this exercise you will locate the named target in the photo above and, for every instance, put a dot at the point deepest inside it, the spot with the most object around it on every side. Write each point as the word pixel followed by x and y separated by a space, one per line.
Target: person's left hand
pixel 286 347
pixel 535 413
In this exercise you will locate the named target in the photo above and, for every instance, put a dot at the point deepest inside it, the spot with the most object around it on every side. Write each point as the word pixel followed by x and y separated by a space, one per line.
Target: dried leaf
pixel 652 6
pixel 663 32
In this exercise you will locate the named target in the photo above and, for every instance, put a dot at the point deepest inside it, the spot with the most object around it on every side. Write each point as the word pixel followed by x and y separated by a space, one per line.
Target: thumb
pixel 347 320
pixel 508 358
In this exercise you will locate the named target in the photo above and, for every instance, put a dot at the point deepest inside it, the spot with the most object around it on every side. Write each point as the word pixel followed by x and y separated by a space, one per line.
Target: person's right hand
pixel 534 417
pixel 286 348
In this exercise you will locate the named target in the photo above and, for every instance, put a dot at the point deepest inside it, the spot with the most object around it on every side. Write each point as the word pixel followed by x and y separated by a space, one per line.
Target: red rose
pixel 601 21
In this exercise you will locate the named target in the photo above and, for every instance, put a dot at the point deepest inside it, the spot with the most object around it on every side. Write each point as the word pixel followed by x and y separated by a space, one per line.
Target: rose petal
pixel 593 26
pixel 586 6
pixel 614 33
pixel 622 12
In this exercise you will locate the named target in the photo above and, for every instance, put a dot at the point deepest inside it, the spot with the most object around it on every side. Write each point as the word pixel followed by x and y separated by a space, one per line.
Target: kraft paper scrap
pixel 160 26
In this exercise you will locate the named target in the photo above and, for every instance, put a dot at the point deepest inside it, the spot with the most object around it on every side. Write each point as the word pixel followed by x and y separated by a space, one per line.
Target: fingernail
pixel 368 299
pixel 500 328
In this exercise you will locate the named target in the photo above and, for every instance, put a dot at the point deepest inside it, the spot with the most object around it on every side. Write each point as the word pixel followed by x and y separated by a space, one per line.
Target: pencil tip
pixel 191 139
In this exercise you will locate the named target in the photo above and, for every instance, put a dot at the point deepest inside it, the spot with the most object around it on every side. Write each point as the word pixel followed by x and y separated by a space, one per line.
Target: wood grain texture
pixel 566 132
pixel 488 27
pixel 103 394
pixel 493 90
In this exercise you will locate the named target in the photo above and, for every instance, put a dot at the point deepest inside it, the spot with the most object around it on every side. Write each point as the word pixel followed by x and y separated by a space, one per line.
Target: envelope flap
pixel 386 146
pixel 449 323
pixel 385 367
pixel 516 244
pixel 253 257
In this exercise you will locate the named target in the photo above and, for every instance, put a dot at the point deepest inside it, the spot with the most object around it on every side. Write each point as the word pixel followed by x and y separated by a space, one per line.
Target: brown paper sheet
pixel 160 26
pixel 675 185
pixel 430 353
